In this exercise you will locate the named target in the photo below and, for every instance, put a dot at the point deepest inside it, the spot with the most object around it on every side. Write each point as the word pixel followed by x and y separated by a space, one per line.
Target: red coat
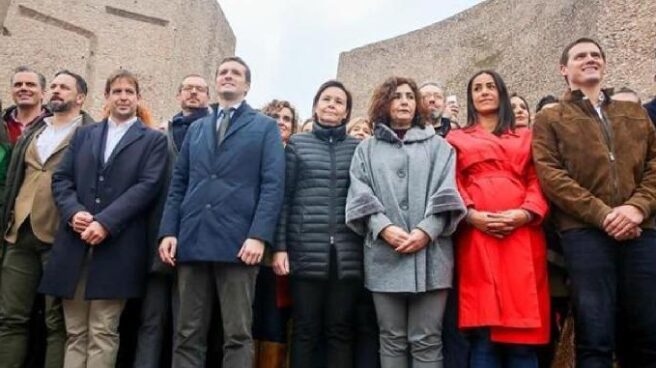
pixel 503 282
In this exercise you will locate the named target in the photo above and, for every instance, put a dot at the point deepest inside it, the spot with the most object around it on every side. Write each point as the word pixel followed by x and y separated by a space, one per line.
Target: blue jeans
pixel 487 354
pixel 614 294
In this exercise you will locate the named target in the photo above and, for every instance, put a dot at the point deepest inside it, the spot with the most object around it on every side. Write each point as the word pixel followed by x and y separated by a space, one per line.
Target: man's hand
pixel 80 221
pixel 94 234
pixel 417 240
pixel 622 220
pixel 394 236
pixel 280 263
pixel 167 248
pixel 251 252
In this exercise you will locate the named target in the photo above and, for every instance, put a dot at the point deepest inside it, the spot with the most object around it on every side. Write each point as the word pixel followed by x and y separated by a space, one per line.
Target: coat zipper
pixel 333 180
pixel 607 131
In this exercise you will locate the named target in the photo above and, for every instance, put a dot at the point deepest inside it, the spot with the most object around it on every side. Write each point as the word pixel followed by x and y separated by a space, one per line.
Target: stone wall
pixel 522 40
pixel 160 41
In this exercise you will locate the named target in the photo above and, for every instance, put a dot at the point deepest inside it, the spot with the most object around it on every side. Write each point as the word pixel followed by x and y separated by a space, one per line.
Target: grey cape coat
pixel 409 183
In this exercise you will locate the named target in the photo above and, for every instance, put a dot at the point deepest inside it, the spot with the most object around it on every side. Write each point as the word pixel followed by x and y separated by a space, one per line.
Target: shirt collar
pixel 126 125
pixel 232 108
pixel 48 121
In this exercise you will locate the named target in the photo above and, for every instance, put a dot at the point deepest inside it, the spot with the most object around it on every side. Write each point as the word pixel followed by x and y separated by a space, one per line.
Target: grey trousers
pixel 411 321
pixel 235 286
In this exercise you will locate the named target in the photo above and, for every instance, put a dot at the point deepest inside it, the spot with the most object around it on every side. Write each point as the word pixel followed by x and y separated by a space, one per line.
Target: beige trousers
pixel 92 330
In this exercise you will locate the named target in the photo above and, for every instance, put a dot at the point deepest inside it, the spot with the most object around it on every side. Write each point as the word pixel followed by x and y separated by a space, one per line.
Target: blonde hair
pixel 358 121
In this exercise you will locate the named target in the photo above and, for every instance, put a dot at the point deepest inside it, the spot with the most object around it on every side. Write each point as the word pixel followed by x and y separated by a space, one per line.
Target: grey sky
pixel 292 46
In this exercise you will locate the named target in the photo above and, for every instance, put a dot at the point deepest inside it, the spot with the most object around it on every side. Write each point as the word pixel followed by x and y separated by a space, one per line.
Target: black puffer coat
pixel 312 220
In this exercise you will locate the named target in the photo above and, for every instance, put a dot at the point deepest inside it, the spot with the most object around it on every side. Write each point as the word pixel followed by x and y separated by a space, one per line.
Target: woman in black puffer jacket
pixel 313 245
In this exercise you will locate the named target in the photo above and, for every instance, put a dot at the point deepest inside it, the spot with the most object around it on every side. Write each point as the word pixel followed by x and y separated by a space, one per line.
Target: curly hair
pixel 275 106
pixel 383 97
pixel 358 121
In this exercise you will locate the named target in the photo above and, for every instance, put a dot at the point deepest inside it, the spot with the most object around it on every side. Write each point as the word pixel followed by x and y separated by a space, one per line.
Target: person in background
pixel 360 128
pixel 521 111
pixel 626 94
pixel 651 107
pixel 272 308
pixel 160 302
pixel 546 102
pixel 307 125
pixel 501 250
pixel 403 199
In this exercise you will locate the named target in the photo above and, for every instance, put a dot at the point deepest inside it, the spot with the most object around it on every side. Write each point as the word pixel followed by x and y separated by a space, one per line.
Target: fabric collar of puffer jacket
pixel 414 134
pixel 325 132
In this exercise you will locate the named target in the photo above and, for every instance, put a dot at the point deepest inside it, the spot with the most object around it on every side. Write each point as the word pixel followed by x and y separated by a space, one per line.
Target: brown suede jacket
pixel 587 165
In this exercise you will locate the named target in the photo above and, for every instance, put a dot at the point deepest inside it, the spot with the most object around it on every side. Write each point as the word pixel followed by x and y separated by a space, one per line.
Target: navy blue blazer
pixel 119 194
pixel 221 195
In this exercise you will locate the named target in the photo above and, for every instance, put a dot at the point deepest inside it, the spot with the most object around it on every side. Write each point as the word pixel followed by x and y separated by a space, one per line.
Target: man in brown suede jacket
pixel 596 160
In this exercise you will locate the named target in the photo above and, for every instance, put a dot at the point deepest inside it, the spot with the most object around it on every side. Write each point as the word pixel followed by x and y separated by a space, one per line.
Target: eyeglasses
pixel 190 88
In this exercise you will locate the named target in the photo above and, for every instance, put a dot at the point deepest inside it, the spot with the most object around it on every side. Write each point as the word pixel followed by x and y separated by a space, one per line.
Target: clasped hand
pixel 498 224
pixel 404 242
pixel 91 232
pixel 623 223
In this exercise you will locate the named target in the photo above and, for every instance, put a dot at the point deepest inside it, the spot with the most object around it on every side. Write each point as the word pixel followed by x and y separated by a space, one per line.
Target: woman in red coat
pixel 501 252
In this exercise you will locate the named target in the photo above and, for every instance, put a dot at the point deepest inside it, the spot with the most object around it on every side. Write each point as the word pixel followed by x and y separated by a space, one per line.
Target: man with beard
pixel 31 218
pixel 433 97
pixel 161 300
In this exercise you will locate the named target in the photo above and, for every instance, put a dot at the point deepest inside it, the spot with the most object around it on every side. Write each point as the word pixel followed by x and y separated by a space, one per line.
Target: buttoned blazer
pixel 119 194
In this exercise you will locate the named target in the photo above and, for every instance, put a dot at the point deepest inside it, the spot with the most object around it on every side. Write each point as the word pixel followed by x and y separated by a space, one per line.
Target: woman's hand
pixel 417 241
pixel 394 236
pixel 280 263
pixel 499 224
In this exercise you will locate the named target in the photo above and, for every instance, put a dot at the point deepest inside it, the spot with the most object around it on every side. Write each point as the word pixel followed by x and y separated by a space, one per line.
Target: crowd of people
pixel 410 237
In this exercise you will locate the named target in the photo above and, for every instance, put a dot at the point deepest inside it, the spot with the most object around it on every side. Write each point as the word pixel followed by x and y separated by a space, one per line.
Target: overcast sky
pixel 292 46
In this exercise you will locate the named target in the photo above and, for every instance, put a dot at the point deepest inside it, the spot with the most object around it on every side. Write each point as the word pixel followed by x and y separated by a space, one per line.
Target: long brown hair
pixel 382 99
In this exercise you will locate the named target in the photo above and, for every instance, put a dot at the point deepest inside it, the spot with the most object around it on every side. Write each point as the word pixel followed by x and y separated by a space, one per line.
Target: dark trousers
pixel 22 266
pixel 269 321
pixel 614 293
pixel 159 307
pixel 326 306
pixel 366 327
pixel 235 286
pixel 456 345
pixel 487 354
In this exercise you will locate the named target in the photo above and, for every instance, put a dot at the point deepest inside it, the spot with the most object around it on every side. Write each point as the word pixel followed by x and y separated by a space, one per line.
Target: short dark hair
pixel 121 74
pixel 382 99
pixel 548 99
pixel 27 69
pixel 192 75
pixel 80 83
pixel 276 105
pixel 505 113
pixel 336 84
pixel 564 57
pixel 238 60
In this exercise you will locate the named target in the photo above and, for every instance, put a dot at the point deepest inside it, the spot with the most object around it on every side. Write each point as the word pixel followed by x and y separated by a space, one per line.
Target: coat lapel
pixel 135 132
pixel 96 137
pixel 209 132
pixel 241 119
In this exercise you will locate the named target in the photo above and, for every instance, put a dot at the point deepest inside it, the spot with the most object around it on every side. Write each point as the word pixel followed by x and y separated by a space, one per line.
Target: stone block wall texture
pixel 521 39
pixel 159 40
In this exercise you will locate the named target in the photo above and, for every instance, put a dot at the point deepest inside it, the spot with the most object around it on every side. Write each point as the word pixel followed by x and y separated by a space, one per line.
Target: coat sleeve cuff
pixel 432 226
pixel 378 222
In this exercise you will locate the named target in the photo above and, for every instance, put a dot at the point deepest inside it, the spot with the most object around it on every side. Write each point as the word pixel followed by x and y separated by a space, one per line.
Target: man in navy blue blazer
pixel 223 205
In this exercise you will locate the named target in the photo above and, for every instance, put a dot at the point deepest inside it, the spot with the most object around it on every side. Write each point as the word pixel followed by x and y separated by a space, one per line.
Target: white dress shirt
pixel 114 134
pixel 51 137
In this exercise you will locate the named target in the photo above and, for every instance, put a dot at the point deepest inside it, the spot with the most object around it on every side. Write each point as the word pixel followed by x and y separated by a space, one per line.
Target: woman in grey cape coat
pixel 403 199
